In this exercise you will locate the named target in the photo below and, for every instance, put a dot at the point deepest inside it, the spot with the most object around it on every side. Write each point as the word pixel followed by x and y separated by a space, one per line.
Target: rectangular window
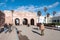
pixel 53 20
pixel 58 21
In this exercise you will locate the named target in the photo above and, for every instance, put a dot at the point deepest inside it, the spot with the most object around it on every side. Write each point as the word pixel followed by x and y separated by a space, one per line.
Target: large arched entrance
pixel 25 21
pixel 17 21
pixel 32 21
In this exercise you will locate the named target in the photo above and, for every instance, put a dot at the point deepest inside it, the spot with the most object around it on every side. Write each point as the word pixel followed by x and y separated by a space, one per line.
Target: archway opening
pixel 17 21
pixel 25 21
pixel 32 21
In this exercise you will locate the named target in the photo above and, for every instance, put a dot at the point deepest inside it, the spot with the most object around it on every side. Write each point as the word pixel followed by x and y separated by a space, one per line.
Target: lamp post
pixel 12 16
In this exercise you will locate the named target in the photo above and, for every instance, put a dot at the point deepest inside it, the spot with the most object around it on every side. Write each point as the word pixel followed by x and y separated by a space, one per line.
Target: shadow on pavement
pixel 54 28
pixel 22 37
pixel 36 28
pixel 36 32
pixel 1 30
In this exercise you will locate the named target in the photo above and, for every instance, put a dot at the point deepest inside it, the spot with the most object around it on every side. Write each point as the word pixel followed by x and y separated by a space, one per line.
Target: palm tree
pixel 48 14
pixel 54 12
pixel 38 14
pixel 12 15
pixel 45 9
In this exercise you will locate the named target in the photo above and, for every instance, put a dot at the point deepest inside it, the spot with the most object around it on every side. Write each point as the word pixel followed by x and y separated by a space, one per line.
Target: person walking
pixel 5 27
pixel 10 27
pixel 42 29
pixel 28 25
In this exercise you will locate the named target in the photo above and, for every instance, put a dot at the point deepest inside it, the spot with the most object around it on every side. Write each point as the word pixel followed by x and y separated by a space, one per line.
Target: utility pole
pixel 12 16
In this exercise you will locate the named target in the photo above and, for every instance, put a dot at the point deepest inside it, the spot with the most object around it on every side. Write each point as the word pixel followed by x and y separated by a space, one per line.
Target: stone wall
pixel 20 15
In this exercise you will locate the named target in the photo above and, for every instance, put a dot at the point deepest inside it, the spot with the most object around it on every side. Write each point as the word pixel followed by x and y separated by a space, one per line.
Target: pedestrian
pixel 42 29
pixel 10 27
pixel 5 27
pixel 28 25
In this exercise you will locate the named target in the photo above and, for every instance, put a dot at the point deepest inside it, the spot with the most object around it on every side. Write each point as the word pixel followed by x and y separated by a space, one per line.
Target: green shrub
pixel 51 24
pixel 57 23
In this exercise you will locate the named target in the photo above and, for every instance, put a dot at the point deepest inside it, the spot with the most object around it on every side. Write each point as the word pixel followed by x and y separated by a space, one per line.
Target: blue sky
pixel 31 5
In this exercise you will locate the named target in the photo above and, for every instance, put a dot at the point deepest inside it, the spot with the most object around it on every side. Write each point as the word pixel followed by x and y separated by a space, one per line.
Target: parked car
pixel 57 26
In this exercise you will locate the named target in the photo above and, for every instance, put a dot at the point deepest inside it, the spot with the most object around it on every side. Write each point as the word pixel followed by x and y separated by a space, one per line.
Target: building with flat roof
pixel 20 17
pixel 55 19
pixel 24 18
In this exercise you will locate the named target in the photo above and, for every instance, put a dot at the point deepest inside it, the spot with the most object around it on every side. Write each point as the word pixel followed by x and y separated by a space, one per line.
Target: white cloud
pixel 2 4
pixel 12 0
pixel 33 8
pixel 26 8
pixel 54 5
pixel 57 14
pixel 30 8
pixel 6 0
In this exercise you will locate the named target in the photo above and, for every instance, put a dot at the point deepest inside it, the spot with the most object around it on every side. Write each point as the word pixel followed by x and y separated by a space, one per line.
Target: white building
pixel 55 19
pixel 40 19
pixel 50 19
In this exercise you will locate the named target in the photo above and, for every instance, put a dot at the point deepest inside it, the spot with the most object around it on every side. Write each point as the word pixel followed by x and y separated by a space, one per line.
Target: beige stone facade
pixel 10 17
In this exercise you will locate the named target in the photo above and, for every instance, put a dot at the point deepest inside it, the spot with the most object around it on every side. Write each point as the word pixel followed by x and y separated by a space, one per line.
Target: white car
pixel 58 26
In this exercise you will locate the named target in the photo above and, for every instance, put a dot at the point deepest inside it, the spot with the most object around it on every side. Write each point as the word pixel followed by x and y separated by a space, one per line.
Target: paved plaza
pixel 32 33
pixel 9 35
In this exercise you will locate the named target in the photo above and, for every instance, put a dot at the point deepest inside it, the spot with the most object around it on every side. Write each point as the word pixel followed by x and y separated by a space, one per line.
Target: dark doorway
pixel 32 21
pixel 25 21
pixel 17 21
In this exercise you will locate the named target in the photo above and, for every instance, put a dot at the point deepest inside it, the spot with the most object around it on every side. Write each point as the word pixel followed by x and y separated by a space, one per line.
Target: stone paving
pixel 9 36
pixel 32 33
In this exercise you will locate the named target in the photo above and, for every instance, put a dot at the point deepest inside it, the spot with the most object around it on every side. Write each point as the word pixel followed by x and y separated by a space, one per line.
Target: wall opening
pixel 17 21
pixel 25 21
pixel 32 21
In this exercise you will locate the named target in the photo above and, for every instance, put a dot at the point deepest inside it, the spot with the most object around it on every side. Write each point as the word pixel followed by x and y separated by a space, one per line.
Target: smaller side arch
pixel 17 21
pixel 32 21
